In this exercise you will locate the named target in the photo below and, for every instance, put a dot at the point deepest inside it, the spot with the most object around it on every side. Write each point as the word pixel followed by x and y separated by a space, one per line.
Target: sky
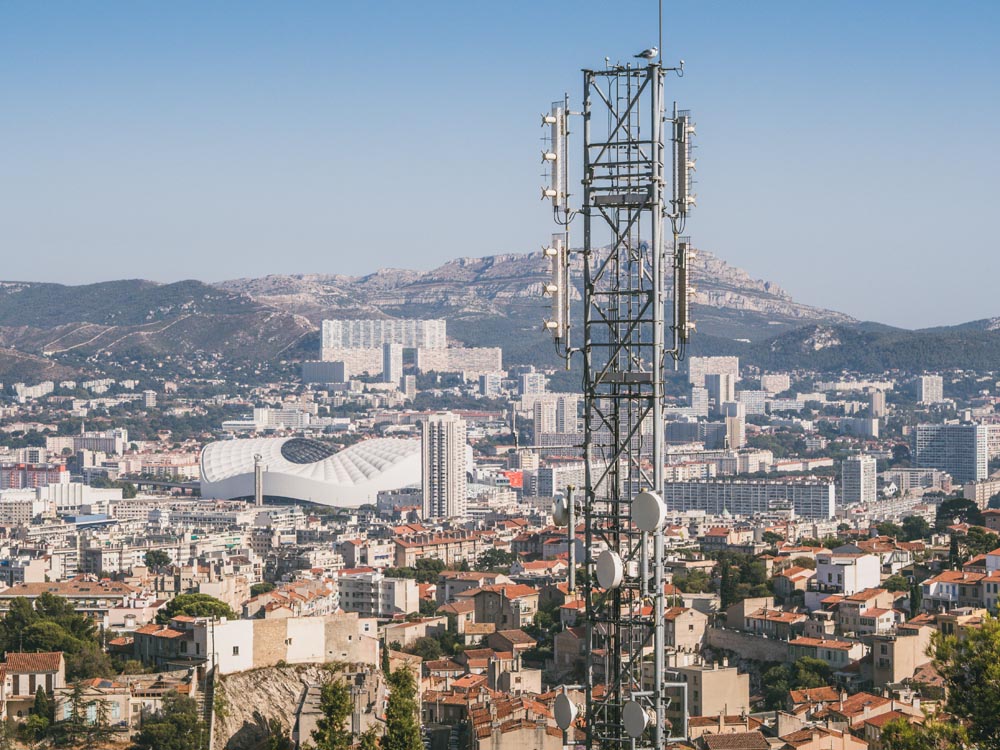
pixel 848 151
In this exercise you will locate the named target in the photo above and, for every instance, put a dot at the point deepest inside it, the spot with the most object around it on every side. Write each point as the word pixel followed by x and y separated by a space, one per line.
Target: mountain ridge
pixel 247 325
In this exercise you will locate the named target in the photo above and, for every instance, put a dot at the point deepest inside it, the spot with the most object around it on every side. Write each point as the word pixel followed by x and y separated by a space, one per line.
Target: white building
pixel 310 470
pixel 959 449
pixel 930 389
pixel 810 498
pixel 372 333
pixel 372 594
pixel 775 382
pixel 858 480
pixel 845 570
pixel 699 367
pixel 443 473
pixel 392 363
pixel 721 389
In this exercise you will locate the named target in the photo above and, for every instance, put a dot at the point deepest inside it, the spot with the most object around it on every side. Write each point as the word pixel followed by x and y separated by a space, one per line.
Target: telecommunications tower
pixel 631 191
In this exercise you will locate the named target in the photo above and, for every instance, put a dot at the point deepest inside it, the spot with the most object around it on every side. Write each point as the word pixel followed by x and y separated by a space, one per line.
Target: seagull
pixel 648 54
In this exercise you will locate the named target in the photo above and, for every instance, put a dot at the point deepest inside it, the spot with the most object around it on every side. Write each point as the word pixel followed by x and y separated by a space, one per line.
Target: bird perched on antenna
pixel 648 54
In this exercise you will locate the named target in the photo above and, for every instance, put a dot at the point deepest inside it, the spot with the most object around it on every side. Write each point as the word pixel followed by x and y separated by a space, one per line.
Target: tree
pixel 915 527
pixel 36 727
pixel 426 648
pixel 52 624
pixel 896 582
pixel 176 726
pixel 970 667
pixel 495 559
pixel 195 605
pixel 771 538
pixel 335 705
pixel 156 559
pixel 888 528
pixel 368 740
pixel 99 731
pixel 43 706
pixel 955 558
pixel 978 541
pixel 958 510
pixel 806 672
pixel 693 582
pixel 261 588
pixel 402 729
pixel 933 734
pixel 277 736
pixel 916 598
pixel 809 563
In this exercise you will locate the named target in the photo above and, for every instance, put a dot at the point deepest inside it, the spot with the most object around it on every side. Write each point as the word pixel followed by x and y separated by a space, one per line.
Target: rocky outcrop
pixel 248 703
pixel 470 287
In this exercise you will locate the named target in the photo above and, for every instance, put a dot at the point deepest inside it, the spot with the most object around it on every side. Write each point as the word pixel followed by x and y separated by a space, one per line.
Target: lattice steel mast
pixel 624 356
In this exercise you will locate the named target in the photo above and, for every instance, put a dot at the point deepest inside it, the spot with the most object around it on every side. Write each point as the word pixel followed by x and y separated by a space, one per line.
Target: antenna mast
pixel 630 703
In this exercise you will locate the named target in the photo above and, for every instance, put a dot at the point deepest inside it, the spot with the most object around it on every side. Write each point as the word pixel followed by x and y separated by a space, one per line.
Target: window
pixel 236 650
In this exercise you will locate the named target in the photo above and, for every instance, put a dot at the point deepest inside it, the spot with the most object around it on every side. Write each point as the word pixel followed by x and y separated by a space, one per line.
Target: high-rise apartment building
pixel 556 413
pixel 775 382
pixel 754 401
pixel 876 403
pixel 809 498
pixel 392 363
pixel 699 367
pixel 959 449
pixel 721 388
pixel 699 401
pixel 857 480
pixel 930 389
pixel 408 386
pixel 491 384
pixel 370 333
pixel 443 475
pixel 532 384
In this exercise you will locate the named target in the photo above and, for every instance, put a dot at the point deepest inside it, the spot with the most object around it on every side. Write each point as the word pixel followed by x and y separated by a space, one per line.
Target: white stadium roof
pixel 310 470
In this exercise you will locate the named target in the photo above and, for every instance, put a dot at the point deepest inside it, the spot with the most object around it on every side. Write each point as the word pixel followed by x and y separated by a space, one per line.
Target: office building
pixel 857 479
pixel 930 389
pixel 443 477
pixel 392 363
pixel 959 449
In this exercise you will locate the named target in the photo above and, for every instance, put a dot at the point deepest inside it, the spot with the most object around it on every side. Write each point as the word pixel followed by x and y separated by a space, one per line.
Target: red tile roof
pixel 21 663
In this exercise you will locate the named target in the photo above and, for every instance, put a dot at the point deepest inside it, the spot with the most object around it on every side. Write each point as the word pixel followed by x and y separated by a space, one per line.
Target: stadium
pixel 301 469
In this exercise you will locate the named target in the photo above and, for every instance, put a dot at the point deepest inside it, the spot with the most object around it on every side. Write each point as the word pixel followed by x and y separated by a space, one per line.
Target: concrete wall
pixel 747 646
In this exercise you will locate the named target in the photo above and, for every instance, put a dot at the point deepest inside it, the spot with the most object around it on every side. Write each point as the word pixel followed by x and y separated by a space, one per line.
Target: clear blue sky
pixel 849 150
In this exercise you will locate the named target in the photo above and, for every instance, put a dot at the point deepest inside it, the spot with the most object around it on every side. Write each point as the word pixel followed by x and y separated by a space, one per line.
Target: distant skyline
pixel 848 151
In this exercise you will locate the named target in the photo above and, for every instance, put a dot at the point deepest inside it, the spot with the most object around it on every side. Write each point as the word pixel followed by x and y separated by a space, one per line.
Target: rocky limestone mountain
pixel 728 301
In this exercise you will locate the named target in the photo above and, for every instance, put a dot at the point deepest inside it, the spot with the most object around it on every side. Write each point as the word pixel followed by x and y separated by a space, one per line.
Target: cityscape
pixel 604 491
